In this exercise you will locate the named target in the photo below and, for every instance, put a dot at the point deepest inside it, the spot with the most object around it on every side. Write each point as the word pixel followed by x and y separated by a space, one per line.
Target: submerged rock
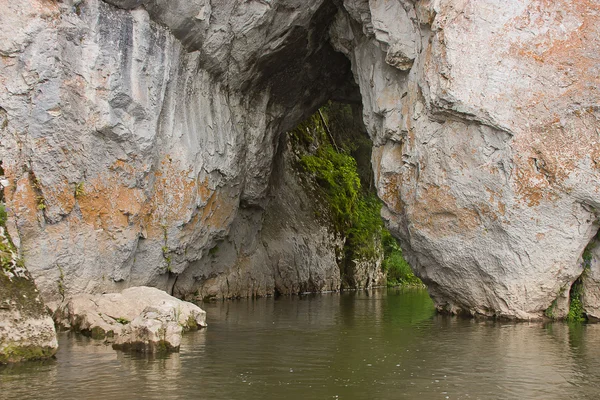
pixel 156 329
pixel 139 318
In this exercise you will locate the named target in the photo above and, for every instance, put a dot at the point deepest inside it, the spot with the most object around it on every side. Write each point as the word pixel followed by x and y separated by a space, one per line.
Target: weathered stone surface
pixel 294 252
pixel 485 149
pixel 26 329
pixel 367 273
pixel 136 140
pixel 155 330
pixel 110 315
pixel 591 280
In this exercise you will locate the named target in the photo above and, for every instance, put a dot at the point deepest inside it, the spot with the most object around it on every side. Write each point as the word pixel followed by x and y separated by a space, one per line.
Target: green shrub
pixel 336 174
pixel 398 270
pixel 576 311
pixel 331 159
pixel 79 190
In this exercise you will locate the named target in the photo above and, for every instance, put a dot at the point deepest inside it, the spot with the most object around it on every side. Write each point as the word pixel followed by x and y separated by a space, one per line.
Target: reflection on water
pixel 384 344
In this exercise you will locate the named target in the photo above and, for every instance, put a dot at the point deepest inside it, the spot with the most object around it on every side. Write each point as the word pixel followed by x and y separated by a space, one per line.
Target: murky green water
pixel 377 345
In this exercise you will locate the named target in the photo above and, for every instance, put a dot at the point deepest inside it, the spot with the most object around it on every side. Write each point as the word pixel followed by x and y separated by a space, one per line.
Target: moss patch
pixel 334 158
pixel 399 272
pixel 191 324
pixel 13 352
pixel 576 310
pixel 3 215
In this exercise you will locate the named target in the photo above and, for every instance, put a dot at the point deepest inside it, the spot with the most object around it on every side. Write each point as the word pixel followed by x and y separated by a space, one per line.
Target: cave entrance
pixel 309 216
pixel 330 152
pixel 323 216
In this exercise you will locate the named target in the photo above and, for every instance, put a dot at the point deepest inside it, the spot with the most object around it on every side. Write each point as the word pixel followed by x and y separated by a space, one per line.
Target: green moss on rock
pixel 14 352
pixel 334 157
pixel 21 302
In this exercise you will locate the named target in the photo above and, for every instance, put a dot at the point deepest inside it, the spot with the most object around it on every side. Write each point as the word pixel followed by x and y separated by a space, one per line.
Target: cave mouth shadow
pixel 330 153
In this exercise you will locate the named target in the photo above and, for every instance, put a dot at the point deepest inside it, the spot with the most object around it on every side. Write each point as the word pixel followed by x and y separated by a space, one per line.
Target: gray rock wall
pixel 139 135
pixel 137 141
pixel 485 121
pixel 282 249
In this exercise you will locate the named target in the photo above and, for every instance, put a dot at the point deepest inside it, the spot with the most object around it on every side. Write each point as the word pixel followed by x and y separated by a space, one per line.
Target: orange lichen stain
pixel 108 204
pixel 528 187
pixel 181 200
pixel 61 195
pixel 501 208
pixel 563 128
pixel 121 165
pixel 46 8
pixel 389 182
pixel 568 48
pixel 492 193
pixel 218 211
pixel 540 236
pixel 549 154
pixel 485 210
pixel 24 200
pixel 204 191
pixel 390 192
pixel 436 212
pixel 174 194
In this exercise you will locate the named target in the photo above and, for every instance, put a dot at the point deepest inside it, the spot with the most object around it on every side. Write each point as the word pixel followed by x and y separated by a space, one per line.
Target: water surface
pixel 384 344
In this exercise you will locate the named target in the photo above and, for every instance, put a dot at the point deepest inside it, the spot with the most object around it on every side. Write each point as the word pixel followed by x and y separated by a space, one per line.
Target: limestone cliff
pixel 140 140
pixel 485 122
pixel 26 328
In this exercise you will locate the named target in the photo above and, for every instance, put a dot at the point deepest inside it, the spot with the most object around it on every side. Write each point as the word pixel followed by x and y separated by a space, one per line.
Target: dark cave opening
pixel 331 153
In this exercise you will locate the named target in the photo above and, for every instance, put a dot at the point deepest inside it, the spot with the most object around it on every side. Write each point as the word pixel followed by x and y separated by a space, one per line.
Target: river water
pixel 382 344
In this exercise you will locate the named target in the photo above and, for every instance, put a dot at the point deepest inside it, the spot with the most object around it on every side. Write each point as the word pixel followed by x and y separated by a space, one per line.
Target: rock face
pixel 139 318
pixel 487 147
pixel 283 249
pixel 138 142
pixel 155 330
pixel 141 140
pixel 26 329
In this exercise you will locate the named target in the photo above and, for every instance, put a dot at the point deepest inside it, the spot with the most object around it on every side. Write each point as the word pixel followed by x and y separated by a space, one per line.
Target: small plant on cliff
pixel 167 257
pixel 3 214
pixel 6 255
pixel 61 281
pixel 165 249
pixel 576 309
pixel 213 251
pixel 549 312
pixel 79 190
pixel 37 188
pixel 41 203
